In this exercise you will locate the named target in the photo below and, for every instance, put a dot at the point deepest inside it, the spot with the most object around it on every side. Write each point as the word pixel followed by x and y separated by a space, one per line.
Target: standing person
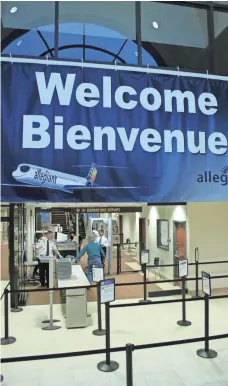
pixel 95 257
pixel 37 266
pixel 45 247
pixel 103 241
pixel 95 233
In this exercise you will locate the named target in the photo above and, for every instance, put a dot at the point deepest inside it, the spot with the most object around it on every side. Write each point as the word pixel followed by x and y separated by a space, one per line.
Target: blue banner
pixel 72 134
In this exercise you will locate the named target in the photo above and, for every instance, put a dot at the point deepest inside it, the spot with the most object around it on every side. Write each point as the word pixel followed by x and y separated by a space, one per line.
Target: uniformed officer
pixel 103 241
pixel 45 247
pixel 95 257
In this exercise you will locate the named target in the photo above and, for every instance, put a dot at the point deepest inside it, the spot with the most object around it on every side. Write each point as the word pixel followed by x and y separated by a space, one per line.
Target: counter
pixel 75 301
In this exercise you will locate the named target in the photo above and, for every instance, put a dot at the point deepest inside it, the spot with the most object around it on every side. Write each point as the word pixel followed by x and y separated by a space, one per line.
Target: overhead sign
pixel 72 134
pixel 114 209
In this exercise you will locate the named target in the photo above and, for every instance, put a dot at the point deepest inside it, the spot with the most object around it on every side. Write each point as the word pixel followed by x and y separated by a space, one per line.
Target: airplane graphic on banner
pixel 32 176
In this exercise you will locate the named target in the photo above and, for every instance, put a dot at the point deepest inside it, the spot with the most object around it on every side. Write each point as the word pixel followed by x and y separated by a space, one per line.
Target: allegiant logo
pixel 44 177
pixel 209 177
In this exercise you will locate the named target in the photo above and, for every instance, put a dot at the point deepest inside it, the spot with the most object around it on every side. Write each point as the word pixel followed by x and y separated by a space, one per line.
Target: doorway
pixel 142 234
pixel 179 244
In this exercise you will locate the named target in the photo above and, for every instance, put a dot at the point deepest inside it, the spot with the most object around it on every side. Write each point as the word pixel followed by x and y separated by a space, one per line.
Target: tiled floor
pixel 173 366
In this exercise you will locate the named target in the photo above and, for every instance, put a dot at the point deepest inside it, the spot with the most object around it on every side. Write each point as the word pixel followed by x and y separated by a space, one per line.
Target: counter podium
pixel 75 301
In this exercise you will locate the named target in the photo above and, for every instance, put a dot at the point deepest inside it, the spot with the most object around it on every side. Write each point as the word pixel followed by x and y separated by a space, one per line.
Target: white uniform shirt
pixel 41 245
pixel 102 240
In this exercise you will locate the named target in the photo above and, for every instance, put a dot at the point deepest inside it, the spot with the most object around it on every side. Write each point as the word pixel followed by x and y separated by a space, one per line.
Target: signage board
pixel 206 283
pixel 97 273
pixel 107 209
pixel 85 134
pixel 144 256
pixel 183 268
pixel 107 288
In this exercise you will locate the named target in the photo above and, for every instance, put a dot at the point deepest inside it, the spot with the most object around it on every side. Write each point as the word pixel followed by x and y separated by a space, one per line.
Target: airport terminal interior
pixel 170 233
pixel 151 308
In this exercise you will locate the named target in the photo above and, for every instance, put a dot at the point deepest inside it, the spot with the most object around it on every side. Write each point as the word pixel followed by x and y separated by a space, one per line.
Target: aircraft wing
pixel 97 187
pixel 21 185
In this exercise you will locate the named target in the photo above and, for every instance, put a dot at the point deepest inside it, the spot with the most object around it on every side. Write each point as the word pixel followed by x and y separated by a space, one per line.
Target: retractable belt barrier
pixel 109 365
pixel 117 285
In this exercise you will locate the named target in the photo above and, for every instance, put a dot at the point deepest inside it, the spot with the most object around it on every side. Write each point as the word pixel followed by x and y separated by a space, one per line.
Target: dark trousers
pixel 44 273
pixel 35 270
pixel 105 251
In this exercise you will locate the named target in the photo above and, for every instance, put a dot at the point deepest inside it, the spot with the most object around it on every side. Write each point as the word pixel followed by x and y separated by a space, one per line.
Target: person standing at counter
pixel 103 241
pixel 37 266
pixel 45 247
pixel 96 257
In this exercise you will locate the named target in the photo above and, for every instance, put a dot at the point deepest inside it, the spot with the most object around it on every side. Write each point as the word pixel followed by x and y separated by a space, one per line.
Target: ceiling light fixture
pixel 155 25
pixel 13 10
pixel 19 43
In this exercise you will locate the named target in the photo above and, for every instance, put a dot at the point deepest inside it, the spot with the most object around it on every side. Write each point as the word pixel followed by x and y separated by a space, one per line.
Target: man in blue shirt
pixel 95 257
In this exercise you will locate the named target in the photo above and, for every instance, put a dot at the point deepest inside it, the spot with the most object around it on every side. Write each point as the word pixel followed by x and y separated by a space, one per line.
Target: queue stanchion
pixel 118 259
pixel 183 273
pixel 129 364
pixel 98 275
pixel 206 352
pixel 16 302
pixel 144 260
pixel 196 273
pixel 7 339
pixel 50 322
pixel 107 294
pixel 1 378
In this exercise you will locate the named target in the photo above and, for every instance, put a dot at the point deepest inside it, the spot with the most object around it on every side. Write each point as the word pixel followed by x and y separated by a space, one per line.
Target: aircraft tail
pixel 91 177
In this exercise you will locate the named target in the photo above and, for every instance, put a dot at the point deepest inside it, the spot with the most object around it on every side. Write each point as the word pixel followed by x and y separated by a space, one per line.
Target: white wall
pixel 151 214
pixel 208 227
pixel 171 213
pixel 130 227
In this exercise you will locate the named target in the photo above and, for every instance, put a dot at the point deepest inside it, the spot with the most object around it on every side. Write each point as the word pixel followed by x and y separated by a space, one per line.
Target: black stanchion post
pixel 196 273
pixel 144 300
pixel 197 279
pixel 183 322
pixel 129 365
pixel 118 260
pixel 107 365
pixel 99 331
pixel 1 378
pixel 7 339
pixel 206 352
pixel 16 308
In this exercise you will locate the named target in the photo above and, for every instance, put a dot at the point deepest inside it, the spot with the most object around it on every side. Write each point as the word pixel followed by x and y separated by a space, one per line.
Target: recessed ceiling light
pixel 155 25
pixel 19 43
pixel 13 10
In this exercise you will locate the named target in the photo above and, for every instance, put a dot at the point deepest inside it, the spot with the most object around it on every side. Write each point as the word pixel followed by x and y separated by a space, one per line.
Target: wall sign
pixel 86 134
pixel 163 234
